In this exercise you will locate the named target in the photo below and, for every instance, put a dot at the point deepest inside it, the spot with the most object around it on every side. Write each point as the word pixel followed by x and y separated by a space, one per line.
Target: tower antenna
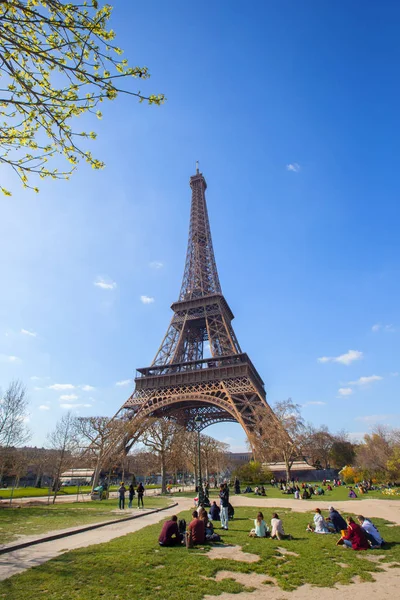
pixel 197 167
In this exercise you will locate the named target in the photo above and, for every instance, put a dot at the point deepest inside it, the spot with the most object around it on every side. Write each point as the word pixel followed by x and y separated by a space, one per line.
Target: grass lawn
pixel 36 520
pixel 338 493
pixel 33 492
pixel 134 566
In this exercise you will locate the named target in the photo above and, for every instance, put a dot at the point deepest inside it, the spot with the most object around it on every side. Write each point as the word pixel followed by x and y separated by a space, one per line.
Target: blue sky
pixel 292 110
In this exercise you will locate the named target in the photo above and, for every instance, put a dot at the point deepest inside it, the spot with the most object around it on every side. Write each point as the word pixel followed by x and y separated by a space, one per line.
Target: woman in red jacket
pixel 354 537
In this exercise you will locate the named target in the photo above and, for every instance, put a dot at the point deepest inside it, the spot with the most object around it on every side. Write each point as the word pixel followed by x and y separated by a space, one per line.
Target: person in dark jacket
pixel 214 512
pixel 131 495
pixel 170 535
pixel 121 496
pixel 337 520
pixel 140 492
pixel 224 504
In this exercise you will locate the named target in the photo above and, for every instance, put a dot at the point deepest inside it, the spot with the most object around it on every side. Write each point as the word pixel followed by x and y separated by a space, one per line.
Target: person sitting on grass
pixel 214 512
pixel 277 530
pixel 321 525
pixel 305 495
pixel 170 535
pixel 197 529
pixel 352 493
pixel 336 519
pixel 372 533
pixel 355 536
pixel 260 527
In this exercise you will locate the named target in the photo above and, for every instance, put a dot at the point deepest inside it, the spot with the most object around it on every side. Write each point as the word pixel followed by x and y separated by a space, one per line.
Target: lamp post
pixel 199 421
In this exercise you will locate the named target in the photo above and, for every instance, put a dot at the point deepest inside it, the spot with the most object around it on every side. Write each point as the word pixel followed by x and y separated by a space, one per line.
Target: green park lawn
pixel 36 520
pixel 33 492
pixel 134 566
pixel 338 493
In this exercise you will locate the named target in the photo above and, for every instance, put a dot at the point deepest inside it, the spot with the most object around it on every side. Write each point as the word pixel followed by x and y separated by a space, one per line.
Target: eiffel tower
pixel 181 383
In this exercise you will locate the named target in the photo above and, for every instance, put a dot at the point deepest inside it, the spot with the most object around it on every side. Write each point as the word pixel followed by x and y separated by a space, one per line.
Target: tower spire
pixel 200 277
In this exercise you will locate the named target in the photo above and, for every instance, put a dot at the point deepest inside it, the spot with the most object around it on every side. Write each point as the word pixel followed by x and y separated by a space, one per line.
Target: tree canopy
pixel 58 61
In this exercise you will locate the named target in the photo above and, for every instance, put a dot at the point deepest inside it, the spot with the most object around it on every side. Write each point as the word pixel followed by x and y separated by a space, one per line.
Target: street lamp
pixel 199 421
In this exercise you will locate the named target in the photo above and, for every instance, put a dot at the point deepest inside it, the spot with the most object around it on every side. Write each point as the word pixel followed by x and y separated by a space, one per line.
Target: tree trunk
pixel 96 474
pixel 287 467
pixel 163 475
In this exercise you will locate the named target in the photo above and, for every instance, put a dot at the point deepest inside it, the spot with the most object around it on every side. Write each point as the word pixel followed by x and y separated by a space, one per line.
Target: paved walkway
pixel 20 560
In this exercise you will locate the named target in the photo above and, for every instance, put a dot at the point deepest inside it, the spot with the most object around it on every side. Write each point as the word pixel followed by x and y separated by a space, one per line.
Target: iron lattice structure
pixel 181 383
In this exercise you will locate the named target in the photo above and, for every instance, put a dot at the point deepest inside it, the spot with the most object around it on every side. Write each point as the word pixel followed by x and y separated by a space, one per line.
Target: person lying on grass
pixel 277 530
pixel 170 535
pixel 372 533
pixel 260 527
pixel 355 537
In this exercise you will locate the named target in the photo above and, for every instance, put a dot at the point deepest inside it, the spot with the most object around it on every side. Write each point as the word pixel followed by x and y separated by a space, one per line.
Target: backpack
pixel 181 525
pixel 189 540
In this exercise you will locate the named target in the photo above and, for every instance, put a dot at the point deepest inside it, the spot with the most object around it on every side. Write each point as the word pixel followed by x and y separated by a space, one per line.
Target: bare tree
pixel 161 436
pixel 318 445
pixel 101 435
pixel 63 441
pixel 280 439
pixel 13 413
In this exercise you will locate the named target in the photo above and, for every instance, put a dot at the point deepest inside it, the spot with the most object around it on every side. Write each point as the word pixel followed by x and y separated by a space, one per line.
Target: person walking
pixel 224 504
pixel 131 495
pixel 121 493
pixel 140 492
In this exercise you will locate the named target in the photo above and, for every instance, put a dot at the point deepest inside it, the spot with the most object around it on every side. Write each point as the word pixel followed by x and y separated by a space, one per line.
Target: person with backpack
pixel 140 493
pixel 224 504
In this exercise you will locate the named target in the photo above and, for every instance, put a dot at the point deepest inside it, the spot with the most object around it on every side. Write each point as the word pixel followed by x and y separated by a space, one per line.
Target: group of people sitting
pixel 199 530
pixel 361 536
pixel 262 530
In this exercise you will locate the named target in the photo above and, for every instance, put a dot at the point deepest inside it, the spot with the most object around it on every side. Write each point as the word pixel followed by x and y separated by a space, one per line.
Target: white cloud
pixel 366 380
pixel 344 359
pixel 61 386
pixel 87 388
pixel 316 403
pixel 104 285
pixel 294 167
pixel 9 359
pixel 69 397
pixel 345 391
pixel 379 327
pixel 123 382
pixel 27 332
pixel 373 418
pixel 356 436
pixel 44 407
pixel 69 406
pixel 146 299
pixel 156 264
